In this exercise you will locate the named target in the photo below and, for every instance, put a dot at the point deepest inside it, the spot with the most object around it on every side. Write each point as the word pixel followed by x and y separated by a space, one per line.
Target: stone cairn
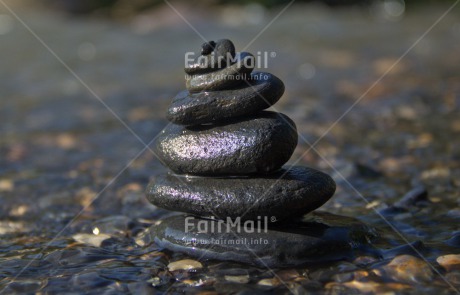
pixel 227 155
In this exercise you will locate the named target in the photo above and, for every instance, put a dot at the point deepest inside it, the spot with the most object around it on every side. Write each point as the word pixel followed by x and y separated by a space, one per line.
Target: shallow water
pixel 61 148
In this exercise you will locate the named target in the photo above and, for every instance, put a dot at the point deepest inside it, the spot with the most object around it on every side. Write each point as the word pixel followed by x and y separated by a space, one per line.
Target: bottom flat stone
pixel 290 192
pixel 319 237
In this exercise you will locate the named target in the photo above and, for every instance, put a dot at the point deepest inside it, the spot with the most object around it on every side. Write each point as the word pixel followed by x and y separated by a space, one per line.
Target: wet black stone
pixel 319 237
pixel 256 144
pixel 225 78
pixel 260 92
pixel 287 193
pixel 204 64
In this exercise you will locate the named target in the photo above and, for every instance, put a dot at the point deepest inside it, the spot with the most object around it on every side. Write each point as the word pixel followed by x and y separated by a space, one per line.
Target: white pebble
pixel 185 264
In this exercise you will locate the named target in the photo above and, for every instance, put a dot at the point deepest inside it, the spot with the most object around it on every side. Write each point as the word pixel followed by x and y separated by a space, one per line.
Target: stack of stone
pixel 227 154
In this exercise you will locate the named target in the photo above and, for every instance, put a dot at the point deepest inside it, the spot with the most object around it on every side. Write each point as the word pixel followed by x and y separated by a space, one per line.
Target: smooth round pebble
pixel 90 239
pixel 261 91
pixel 244 279
pixel 225 78
pixel 320 237
pixel 288 193
pixel 449 262
pixel 185 264
pixel 257 144
pixel 407 269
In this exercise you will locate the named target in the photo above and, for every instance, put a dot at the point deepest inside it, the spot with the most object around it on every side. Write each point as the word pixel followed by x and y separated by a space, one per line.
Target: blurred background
pixel 85 84
pixel 126 8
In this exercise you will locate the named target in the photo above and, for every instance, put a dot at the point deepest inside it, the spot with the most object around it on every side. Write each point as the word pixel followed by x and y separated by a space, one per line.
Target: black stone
pixel 319 237
pixel 225 78
pixel 203 64
pixel 288 193
pixel 260 92
pixel 214 57
pixel 208 47
pixel 256 144
pixel 224 47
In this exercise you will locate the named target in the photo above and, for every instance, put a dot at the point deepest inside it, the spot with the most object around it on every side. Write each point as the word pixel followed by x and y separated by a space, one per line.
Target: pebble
pixel 91 239
pixel 407 269
pixel 193 283
pixel 238 279
pixel 269 282
pixel 261 91
pixel 291 244
pixel 288 193
pixel 225 78
pixel 8 227
pixel 449 262
pixel 256 144
pixel 6 185
pixel 368 287
pixel 185 264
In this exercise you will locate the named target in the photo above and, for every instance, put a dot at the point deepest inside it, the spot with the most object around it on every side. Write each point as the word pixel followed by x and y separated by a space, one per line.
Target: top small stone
pixel 224 47
pixel 208 47
pixel 214 56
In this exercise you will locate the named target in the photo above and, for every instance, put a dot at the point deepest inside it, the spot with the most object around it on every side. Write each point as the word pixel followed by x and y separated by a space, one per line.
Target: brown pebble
pixel 408 269
pixel 449 262
pixel 374 287
pixel 273 282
